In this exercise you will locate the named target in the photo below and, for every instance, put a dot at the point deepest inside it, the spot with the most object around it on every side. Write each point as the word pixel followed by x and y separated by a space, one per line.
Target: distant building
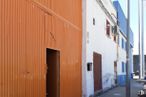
pixel 122 23
pixel 136 63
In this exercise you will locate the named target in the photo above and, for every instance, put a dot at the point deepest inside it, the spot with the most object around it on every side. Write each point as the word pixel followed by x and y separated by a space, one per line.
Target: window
pixel 107 28
pixel 123 43
pixel 123 67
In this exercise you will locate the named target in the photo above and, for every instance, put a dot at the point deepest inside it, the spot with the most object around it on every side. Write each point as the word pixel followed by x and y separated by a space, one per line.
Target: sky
pixel 134 21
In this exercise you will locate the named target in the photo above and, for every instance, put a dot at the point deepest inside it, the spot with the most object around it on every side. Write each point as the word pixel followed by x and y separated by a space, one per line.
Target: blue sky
pixel 134 20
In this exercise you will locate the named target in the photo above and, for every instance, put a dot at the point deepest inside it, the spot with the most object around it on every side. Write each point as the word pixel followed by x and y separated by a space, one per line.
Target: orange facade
pixel 27 29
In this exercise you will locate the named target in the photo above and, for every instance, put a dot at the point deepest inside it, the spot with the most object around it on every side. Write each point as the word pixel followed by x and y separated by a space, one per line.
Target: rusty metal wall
pixel 27 28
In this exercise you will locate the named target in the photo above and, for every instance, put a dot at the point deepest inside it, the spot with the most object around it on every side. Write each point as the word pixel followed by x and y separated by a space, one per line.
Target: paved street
pixel 120 91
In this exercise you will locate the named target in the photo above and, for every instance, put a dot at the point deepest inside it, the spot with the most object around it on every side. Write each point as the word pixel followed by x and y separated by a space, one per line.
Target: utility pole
pixel 141 40
pixel 128 94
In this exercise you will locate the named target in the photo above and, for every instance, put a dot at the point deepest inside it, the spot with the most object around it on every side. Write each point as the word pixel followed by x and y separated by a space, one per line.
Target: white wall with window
pixel 121 53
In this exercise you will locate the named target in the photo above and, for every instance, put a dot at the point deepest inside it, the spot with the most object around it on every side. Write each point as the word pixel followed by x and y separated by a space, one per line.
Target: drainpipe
pixel 117 35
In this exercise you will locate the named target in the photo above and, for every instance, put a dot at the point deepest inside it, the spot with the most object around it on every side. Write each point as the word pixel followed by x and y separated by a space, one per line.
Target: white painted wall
pixel 122 55
pixel 96 40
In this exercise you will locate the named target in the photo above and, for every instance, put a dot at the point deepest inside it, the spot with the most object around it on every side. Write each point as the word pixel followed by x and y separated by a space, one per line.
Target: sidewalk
pixel 120 91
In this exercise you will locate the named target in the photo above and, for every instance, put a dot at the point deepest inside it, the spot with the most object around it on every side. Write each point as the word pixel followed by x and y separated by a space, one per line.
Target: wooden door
pixel 115 72
pixel 97 62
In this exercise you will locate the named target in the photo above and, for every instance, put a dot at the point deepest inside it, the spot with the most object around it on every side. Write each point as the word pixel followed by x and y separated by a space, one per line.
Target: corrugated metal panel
pixel 26 30
pixel 0 50
pixel 34 47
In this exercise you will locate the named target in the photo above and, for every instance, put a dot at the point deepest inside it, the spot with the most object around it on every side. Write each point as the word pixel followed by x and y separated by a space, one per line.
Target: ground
pixel 120 91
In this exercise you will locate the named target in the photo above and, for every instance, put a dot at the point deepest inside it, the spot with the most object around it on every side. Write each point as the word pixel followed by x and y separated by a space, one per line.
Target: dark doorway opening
pixel 97 62
pixel 53 73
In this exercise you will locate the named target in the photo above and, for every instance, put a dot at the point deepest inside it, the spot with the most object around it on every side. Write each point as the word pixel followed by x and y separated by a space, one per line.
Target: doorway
pixel 97 62
pixel 53 73
pixel 115 72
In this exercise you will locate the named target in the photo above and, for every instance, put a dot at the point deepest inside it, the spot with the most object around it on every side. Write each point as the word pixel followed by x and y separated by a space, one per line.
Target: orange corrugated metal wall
pixel 27 28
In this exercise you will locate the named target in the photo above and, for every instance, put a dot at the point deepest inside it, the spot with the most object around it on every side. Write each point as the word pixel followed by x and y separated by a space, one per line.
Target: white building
pixel 101 52
pixel 121 63
pixel 122 23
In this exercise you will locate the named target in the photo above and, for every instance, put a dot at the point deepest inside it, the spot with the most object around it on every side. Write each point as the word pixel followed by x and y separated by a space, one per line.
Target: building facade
pixel 136 63
pixel 104 48
pixel 40 48
pixel 122 23
pixel 99 46
pixel 121 67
